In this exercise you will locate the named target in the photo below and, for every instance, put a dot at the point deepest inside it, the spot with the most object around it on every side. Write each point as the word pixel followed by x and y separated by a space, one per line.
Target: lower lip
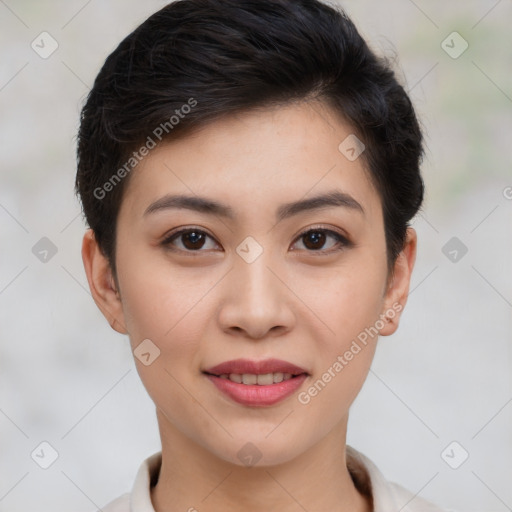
pixel 256 395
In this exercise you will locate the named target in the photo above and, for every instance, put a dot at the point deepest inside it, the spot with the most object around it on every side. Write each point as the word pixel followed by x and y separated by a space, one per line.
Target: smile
pixel 256 383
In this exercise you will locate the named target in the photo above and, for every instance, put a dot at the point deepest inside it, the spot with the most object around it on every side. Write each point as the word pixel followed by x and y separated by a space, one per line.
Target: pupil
pixel 195 239
pixel 316 237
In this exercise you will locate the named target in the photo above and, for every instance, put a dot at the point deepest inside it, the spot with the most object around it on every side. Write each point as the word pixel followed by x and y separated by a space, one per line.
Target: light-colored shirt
pixel 387 496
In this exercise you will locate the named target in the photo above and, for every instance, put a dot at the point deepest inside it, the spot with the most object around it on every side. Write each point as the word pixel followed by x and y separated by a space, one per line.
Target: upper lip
pixel 247 366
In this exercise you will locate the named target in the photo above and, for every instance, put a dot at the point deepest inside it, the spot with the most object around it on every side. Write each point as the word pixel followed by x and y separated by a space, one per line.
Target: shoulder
pixel 409 501
pixel 139 499
pixel 386 496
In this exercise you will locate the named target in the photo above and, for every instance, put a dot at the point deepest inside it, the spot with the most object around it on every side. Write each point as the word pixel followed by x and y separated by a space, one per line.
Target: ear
pixel 397 290
pixel 102 283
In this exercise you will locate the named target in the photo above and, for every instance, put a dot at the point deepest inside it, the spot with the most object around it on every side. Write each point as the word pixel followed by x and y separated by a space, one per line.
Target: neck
pixel 191 478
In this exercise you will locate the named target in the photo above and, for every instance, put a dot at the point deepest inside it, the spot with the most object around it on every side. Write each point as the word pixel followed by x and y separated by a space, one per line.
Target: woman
pixel 248 171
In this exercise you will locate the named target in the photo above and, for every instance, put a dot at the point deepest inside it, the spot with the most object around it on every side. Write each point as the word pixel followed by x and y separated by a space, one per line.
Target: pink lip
pixel 256 395
pixel 241 366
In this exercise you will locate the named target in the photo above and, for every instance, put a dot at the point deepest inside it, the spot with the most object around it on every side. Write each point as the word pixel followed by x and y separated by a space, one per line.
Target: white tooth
pixel 278 377
pixel 287 376
pixel 235 377
pixel 249 379
pixel 266 379
pixel 224 376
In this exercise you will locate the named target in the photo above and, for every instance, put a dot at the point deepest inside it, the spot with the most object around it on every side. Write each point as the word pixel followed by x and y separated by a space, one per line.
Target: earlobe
pixel 102 283
pixel 398 288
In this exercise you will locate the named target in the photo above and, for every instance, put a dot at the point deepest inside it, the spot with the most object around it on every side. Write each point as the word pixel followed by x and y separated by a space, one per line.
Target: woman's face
pixel 268 273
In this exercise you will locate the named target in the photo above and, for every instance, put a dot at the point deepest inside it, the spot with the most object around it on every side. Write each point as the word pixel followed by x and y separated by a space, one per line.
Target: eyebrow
pixel 334 198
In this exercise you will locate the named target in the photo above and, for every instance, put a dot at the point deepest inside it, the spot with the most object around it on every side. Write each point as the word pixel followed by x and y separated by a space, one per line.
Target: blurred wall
pixel 440 389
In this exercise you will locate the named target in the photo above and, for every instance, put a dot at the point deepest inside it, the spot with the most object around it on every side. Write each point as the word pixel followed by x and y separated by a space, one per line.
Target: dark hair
pixel 196 61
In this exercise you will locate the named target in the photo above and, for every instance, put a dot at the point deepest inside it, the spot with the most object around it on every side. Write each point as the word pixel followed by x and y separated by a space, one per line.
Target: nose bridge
pixel 256 298
pixel 256 281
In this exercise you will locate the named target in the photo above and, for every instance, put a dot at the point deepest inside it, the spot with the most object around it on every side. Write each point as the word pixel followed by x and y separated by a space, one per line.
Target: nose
pixel 257 301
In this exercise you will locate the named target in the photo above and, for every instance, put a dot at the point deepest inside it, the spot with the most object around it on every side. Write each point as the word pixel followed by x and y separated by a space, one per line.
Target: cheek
pixel 159 300
pixel 345 300
pixel 165 307
pixel 349 306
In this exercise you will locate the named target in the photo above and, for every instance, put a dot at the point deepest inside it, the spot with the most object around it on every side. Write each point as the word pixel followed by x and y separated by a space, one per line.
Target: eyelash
pixel 343 242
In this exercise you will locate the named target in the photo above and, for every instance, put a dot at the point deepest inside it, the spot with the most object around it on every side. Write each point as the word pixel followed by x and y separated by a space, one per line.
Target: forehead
pixel 254 160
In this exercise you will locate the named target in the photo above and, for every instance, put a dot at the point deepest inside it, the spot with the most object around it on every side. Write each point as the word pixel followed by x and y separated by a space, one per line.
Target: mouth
pixel 257 383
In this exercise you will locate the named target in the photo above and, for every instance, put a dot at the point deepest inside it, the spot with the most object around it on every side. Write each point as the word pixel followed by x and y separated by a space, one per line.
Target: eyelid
pixel 323 227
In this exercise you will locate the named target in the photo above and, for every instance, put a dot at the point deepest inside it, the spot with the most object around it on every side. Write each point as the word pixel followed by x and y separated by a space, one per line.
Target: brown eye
pixel 192 240
pixel 315 239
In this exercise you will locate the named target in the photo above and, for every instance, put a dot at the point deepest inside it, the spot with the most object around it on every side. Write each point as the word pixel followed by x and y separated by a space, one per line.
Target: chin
pixel 258 450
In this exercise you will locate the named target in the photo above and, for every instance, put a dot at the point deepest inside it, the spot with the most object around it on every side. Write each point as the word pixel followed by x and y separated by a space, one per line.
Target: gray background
pixel 68 379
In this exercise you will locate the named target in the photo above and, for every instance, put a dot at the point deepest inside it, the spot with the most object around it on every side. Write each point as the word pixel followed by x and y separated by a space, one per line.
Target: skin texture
pixel 291 303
